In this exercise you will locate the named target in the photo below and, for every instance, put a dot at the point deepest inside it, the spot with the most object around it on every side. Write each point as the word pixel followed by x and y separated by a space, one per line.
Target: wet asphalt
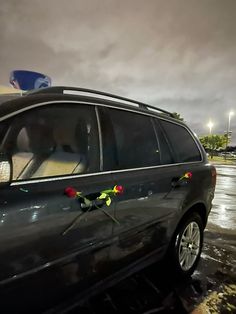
pixel 212 287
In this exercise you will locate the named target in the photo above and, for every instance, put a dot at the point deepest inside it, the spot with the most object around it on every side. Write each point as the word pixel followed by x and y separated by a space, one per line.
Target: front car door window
pixel 52 141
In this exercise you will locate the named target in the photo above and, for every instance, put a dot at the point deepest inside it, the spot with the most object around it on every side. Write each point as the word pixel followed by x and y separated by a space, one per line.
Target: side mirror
pixel 5 169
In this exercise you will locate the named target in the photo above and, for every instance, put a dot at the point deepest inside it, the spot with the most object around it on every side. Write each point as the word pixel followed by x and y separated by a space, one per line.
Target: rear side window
pixel 136 143
pixel 181 142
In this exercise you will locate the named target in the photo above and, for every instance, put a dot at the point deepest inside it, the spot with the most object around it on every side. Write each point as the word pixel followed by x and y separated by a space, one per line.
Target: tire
pixel 186 246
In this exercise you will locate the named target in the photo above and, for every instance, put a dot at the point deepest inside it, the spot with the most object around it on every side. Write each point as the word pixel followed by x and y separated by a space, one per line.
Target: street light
pixel 210 125
pixel 231 113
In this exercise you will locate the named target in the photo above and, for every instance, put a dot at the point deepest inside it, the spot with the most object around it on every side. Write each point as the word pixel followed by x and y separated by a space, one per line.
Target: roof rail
pixel 72 90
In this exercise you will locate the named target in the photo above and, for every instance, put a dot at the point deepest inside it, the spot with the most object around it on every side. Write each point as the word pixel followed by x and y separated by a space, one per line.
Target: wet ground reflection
pixel 223 213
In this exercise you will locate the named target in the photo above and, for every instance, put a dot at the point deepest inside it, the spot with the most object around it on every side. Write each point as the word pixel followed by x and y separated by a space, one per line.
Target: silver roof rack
pixel 79 90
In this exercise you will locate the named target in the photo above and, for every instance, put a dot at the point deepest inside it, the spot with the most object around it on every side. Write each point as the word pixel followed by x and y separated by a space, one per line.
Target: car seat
pixel 68 156
pixel 23 157
pixel 34 144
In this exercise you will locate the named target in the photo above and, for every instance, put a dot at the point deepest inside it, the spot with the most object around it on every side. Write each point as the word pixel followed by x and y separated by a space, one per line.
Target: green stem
pixel 77 219
pixel 108 214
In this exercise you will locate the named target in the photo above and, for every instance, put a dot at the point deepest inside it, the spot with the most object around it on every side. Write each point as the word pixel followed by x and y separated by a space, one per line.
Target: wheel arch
pixel 199 208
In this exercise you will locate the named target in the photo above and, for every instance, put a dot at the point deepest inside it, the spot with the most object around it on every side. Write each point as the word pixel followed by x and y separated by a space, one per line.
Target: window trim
pixel 78 102
pixel 75 176
pixel 99 138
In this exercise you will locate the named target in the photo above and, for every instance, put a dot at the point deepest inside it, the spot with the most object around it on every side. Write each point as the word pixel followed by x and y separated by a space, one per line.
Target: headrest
pixel 64 136
pixel 71 136
pixel 23 141
pixel 41 139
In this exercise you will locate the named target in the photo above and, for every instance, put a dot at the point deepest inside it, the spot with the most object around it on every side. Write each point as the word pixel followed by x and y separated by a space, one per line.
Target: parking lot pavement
pixel 212 288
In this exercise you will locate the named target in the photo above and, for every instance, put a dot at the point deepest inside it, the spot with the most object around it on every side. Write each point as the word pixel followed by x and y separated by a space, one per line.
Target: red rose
pixel 70 192
pixel 118 189
pixel 188 175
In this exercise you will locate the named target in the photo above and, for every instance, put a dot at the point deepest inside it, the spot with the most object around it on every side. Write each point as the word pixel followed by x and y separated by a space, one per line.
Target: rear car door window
pixel 136 143
pixel 53 140
pixel 181 142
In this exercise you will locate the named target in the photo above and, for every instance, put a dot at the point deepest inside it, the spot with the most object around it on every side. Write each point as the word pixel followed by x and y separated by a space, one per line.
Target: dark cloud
pixel 179 55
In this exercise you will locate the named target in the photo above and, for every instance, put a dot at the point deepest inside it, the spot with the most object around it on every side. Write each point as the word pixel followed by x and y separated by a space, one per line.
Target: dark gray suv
pixel 93 188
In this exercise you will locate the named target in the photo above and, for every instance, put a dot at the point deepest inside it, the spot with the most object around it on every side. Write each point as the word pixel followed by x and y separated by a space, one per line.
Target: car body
pixel 229 155
pixel 65 231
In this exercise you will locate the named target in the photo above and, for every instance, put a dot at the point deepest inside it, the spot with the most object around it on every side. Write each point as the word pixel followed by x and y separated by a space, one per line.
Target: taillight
pixel 213 175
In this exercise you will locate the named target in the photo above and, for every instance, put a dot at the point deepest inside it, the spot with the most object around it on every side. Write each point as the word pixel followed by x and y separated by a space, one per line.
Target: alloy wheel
pixel 189 246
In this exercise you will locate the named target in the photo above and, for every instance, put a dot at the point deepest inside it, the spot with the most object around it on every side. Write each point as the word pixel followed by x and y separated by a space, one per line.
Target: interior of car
pixel 48 149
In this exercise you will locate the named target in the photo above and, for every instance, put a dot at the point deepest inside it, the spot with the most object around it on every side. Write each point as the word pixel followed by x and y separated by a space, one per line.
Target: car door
pixel 52 241
pixel 147 210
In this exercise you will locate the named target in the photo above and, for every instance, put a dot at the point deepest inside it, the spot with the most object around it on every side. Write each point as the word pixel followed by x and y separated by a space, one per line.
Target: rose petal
pixel 70 192
pixel 118 189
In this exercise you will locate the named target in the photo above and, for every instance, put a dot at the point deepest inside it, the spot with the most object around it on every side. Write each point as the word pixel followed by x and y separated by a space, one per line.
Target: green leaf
pixel 107 191
pixel 103 196
pixel 108 201
pixel 87 202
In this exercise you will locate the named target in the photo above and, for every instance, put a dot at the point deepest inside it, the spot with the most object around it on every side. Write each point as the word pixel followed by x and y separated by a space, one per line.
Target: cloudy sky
pixel 176 54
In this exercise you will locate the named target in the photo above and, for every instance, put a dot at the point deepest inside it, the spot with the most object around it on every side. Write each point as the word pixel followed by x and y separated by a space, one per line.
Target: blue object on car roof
pixel 28 80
